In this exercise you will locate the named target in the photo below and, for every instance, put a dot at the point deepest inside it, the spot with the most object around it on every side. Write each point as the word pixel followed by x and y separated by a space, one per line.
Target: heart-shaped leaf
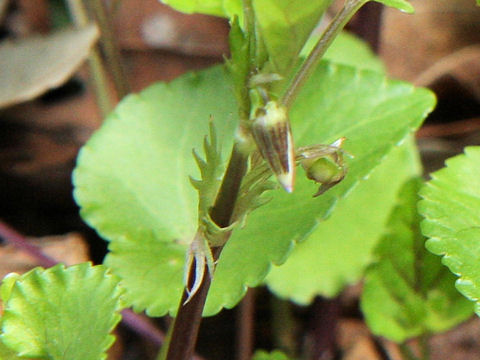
pixel 132 177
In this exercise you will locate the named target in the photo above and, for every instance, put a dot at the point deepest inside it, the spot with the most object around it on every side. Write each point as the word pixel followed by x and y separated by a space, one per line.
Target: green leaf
pixel 274 355
pixel 451 208
pixel 348 49
pixel 226 8
pixel 408 292
pixel 285 25
pixel 132 181
pixel 402 5
pixel 62 313
pixel 132 184
pixel 7 354
pixel 339 249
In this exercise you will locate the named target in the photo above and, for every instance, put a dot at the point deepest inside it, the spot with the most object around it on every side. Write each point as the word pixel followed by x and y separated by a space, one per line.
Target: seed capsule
pixel 273 136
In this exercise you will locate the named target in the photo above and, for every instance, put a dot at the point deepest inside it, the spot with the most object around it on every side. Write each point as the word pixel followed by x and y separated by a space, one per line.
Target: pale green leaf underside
pixel 408 292
pixel 274 355
pixel 132 176
pixel 62 313
pixel 347 49
pixel 451 208
pixel 340 248
pixel 402 5
pixel 285 25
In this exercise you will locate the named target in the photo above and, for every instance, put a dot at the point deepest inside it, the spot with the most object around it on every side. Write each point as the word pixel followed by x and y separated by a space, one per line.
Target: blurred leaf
pixel 285 25
pixel 62 313
pixel 275 355
pixel 348 49
pixel 339 249
pixel 402 5
pixel 408 292
pixel 226 8
pixel 31 66
pixel 451 208
pixel 132 182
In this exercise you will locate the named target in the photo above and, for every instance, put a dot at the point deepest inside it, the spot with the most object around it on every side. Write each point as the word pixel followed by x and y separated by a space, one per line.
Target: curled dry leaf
pixel 31 66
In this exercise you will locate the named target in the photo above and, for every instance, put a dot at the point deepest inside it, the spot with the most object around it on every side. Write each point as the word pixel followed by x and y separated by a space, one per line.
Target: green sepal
pixel 210 170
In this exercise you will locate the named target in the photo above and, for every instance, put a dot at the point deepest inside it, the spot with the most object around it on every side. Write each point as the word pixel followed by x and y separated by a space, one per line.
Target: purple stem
pixel 142 327
pixel 18 240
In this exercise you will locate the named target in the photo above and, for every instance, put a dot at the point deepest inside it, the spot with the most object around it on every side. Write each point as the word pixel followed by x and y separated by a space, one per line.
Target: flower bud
pixel 324 164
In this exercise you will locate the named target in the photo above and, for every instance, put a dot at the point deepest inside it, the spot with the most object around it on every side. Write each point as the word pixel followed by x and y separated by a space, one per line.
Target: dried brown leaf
pixel 31 66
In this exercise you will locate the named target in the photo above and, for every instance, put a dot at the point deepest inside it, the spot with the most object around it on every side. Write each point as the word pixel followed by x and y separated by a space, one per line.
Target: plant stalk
pixel 110 48
pixel 338 23
pixel 245 326
pixel 407 352
pixel 96 65
pixel 187 322
pixel 13 237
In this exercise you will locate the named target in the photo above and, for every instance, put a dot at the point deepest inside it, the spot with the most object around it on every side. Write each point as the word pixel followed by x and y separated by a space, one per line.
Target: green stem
pixel 407 352
pixel 338 23
pixel 283 326
pixel 110 47
pixel 424 347
pixel 97 68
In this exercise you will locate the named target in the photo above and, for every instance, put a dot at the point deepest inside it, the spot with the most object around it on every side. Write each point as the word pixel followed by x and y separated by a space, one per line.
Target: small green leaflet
pixel 451 207
pixel 407 291
pixel 274 355
pixel 61 313
pixel 402 5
